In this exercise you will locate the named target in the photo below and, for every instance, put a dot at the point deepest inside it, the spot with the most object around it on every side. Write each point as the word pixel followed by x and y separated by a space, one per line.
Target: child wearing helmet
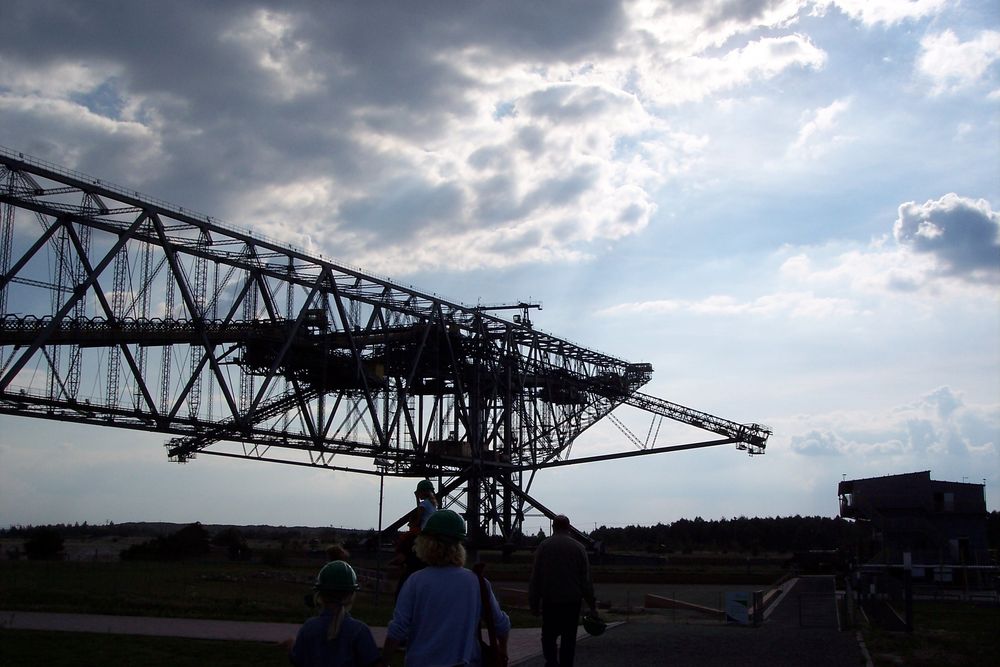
pixel 426 502
pixel 334 638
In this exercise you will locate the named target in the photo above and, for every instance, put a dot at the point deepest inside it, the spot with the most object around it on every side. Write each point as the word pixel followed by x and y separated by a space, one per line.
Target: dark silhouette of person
pixel 560 583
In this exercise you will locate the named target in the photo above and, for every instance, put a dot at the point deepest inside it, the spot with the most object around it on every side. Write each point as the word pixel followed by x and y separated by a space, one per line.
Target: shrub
pixel 234 542
pixel 44 544
pixel 188 542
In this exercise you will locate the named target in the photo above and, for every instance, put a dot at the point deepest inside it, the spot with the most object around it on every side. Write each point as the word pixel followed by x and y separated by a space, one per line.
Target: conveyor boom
pixel 751 437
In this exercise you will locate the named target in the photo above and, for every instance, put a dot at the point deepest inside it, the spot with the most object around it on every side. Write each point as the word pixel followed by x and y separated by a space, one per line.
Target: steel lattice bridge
pixel 121 310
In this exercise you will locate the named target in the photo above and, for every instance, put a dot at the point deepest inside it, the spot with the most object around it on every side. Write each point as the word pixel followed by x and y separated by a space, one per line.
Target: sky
pixel 791 209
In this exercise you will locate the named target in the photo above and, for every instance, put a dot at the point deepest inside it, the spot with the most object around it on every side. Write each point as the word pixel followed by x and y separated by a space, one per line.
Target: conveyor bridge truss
pixel 120 310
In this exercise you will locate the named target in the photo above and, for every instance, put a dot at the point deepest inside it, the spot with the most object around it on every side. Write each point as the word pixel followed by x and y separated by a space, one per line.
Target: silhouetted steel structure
pixel 121 310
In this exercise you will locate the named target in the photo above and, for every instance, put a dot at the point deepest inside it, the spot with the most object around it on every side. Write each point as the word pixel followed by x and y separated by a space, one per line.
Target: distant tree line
pixel 161 529
pixel 747 535
pixel 742 535
pixel 170 541
pixel 66 529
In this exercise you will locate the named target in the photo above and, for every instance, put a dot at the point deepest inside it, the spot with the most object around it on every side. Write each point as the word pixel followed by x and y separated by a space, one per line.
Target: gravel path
pixel 801 630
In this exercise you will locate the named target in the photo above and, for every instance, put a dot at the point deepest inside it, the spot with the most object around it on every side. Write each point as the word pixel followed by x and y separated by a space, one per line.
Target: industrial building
pixel 932 525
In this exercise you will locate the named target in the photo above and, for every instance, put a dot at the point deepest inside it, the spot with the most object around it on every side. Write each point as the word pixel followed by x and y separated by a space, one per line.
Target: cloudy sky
pixel 790 208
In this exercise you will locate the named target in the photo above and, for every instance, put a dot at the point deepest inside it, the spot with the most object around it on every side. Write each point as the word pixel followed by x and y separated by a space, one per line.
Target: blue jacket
pixel 437 615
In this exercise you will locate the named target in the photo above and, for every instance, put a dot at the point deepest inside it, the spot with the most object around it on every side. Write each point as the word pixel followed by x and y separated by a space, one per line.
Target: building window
pixel 944 502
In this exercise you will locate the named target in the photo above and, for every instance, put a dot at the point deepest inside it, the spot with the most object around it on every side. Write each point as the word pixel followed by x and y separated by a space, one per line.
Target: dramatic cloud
pixel 936 430
pixel 681 26
pixel 962 234
pixel 695 75
pixel 952 65
pixel 405 140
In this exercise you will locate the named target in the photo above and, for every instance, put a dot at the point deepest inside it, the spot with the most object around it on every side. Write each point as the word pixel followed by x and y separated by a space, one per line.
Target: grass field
pixel 209 590
pixel 948 633
pixel 945 633
pixel 224 590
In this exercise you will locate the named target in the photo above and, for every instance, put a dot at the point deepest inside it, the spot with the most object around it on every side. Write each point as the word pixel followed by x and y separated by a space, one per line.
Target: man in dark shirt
pixel 560 583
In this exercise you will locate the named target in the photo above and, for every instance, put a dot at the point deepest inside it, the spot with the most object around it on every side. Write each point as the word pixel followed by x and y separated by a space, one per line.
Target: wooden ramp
pixel 661 602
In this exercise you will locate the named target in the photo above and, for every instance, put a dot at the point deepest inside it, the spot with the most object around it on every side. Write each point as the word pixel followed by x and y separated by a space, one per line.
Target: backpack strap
pixel 487 615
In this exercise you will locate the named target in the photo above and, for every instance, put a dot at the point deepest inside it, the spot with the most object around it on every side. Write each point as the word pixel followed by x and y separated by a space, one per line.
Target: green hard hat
pixel 445 524
pixel 593 625
pixel 425 485
pixel 336 576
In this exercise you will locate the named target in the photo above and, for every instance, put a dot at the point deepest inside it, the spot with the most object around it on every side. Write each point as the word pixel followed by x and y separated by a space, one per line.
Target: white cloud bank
pixel 819 133
pixel 874 12
pixel 952 65
pixel 943 248
pixel 938 430
pixel 781 304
